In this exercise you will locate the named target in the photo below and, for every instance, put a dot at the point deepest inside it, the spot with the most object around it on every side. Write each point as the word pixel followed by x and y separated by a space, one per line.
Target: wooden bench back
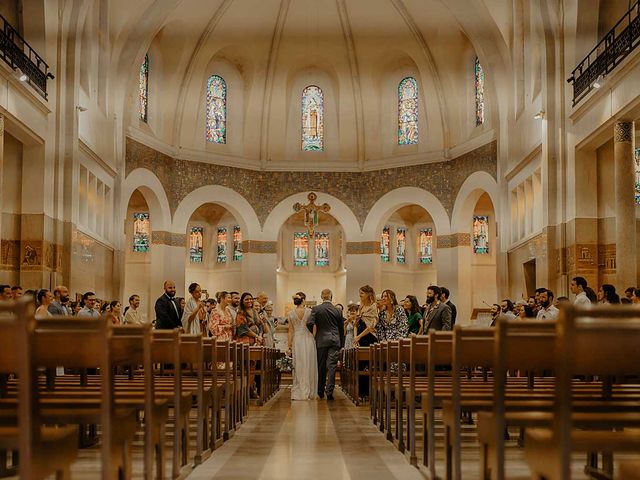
pixel 130 343
pixel 440 348
pixel 473 347
pixel 524 344
pixel 165 346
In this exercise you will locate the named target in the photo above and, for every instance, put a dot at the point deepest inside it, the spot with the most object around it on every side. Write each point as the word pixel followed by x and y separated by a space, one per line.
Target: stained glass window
pixel 222 245
pixel 322 249
pixel 141 232
pixel 637 176
pixel 384 244
pixel 216 109
pixel 479 80
pixel 426 245
pixel 480 234
pixel 237 244
pixel 143 89
pixel 401 245
pixel 312 119
pixel 195 245
pixel 300 249
pixel 408 111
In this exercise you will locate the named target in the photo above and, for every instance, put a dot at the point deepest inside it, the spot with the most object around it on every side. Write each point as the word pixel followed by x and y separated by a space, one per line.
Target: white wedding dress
pixel 305 361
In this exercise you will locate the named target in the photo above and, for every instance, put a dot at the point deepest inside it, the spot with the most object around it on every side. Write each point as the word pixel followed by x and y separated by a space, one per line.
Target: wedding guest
pixel 607 294
pixel 89 309
pixel 367 318
pixel 414 314
pixel 132 315
pixel 350 325
pixel 392 321
pixel 44 298
pixel 16 292
pixel 60 299
pixel 5 292
pixel 220 318
pixel 270 340
pixel 168 314
pixel 194 311
pixel 260 320
pixel 444 298
pixel 234 305
pixel 115 312
pixel 246 329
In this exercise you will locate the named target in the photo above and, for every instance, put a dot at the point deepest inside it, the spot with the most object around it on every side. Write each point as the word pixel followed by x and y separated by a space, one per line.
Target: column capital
pixel 623 132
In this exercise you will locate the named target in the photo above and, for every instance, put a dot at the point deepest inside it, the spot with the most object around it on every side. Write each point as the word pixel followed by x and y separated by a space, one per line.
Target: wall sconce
pixel 20 75
pixel 598 82
pixel 539 115
pixel 80 108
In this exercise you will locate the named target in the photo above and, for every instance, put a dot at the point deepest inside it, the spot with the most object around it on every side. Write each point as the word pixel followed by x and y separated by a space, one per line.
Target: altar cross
pixel 311 211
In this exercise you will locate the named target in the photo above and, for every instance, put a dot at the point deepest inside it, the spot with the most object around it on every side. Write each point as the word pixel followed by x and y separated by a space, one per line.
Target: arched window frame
pixel 312 119
pixel 478 75
pixel 143 90
pixel 408 132
pixel 216 110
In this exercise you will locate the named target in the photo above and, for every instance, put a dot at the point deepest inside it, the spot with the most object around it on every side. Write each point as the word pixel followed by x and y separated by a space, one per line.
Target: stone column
pixel 363 268
pixel 624 176
pixel 1 167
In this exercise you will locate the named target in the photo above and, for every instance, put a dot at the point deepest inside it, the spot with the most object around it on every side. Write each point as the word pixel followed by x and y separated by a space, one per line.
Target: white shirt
pixel 550 313
pixel 582 300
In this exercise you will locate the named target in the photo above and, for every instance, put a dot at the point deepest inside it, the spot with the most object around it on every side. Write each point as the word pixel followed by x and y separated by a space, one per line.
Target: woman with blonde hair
pixel 367 318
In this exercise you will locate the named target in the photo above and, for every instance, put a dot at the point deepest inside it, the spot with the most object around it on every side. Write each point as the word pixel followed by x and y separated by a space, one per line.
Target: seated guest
pixel 392 320
pixel 414 315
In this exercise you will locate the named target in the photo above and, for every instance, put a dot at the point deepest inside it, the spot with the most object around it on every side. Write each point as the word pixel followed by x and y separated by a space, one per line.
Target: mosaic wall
pixel 358 190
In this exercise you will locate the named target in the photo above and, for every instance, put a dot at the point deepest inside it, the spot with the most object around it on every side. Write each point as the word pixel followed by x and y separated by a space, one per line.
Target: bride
pixel 303 347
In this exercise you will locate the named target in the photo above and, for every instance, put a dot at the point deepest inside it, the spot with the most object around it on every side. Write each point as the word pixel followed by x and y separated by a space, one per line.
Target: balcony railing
pixel 619 42
pixel 18 54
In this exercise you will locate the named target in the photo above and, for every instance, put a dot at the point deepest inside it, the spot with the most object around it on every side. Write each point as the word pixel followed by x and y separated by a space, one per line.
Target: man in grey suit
pixel 328 325
pixel 437 316
pixel 60 298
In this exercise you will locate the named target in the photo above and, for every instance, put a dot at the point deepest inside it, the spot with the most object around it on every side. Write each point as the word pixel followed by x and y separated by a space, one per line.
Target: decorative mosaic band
pixel 454 240
pixel 259 246
pixel 363 248
pixel 623 131
pixel 30 255
pixel 160 237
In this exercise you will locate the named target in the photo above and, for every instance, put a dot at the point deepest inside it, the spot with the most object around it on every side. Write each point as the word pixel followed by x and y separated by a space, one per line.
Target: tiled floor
pixel 307 440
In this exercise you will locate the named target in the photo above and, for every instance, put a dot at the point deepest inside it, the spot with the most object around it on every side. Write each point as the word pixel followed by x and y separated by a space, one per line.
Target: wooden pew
pixel 42 450
pixel 597 341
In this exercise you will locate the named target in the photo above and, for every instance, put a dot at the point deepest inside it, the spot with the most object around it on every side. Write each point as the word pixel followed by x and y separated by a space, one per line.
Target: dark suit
pixel 56 308
pixel 329 340
pixel 168 314
pixel 438 318
pixel 454 313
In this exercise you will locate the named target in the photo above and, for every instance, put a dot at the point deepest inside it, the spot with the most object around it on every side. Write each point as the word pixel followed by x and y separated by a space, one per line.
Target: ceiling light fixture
pixel 539 115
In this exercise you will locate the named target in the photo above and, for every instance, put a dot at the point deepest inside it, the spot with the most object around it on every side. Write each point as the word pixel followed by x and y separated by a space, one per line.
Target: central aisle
pixel 308 440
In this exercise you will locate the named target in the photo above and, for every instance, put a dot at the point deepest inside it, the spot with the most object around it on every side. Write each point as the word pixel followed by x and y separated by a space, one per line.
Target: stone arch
pixel 398 198
pixel 153 192
pixel 339 210
pixel 471 190
pixel 228 198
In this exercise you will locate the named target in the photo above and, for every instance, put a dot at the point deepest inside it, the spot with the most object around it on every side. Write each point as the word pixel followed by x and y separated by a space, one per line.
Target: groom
pixel 329 340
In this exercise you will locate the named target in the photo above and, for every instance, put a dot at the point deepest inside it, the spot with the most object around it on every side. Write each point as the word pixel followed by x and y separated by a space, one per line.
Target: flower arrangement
pixel 284 364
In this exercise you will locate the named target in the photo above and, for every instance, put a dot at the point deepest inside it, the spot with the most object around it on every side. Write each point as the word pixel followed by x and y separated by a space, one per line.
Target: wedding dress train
pixel 305 360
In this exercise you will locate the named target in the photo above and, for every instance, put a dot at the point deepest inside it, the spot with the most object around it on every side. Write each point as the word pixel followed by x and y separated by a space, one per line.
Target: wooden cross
pixel 311 211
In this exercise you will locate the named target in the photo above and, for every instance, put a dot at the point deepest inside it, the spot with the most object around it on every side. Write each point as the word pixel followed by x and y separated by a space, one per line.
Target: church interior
pixel 478 156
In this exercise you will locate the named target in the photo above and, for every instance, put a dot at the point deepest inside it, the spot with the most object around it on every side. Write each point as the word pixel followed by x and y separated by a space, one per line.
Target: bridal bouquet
pixel 284 364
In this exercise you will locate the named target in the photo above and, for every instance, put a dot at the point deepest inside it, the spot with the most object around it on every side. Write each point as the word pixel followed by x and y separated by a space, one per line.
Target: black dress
pixel 365 341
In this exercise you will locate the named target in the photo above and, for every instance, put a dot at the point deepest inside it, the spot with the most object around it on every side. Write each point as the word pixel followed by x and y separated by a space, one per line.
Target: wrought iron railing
pixel 18 54
pixel 619 42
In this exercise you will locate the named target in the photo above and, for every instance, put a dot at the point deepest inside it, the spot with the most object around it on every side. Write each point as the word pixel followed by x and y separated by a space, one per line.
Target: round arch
pixel 471 190
pixel 153 192
pixel 339 210
pixel 228 198
pixel 398 198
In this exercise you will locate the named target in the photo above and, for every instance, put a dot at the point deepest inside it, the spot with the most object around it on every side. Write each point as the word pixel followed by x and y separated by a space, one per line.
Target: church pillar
pixel 1 166
pixel 624 177
pixel 363 268
pixel 259 270
pixel 168 253
pixel 452 255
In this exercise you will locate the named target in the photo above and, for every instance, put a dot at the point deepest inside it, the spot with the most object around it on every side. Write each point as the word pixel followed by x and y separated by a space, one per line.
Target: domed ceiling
pixel 268 51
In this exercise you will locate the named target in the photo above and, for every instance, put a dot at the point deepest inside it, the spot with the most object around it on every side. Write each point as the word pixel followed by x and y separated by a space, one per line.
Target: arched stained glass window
pixel 480 234
pixel 300 249
pixel 196 244
pixel 408 111
pixel 637 176
pixel 141 232
pixel 216 109
pixel 385 241
pixel 143 89
pixel 479 80
pixel 222 245
pixel 426 246
pixel 237 244
pixel 312 119
pixel 401 245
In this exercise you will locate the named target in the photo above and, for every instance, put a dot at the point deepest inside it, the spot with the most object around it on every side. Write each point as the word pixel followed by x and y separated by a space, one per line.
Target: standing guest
pixel 5 292
pixel 445 299
pixel 350 324
pixel 115 312
pixel 607 294
pixel 260 320
pixel 628 293
pixel 220 318
pixel 437 316
pixel 106 308
pixel 16 292
pixel 392 321
pixel 506 307
pixel 548 310
pixel 132 315
pixel 379 305
pixel 340 307
pixel 495 313
pixel 414 315
pixel 182 302
pixel 44 298
pixel 531 302
pixel 636 297
pixel 234 305
pixel 168 314
pixel 194 311
pixel 270 340
pixel 367 318
pixel 246 329
pixel 60 299
pixel 89 309
pixel 565 301
pixel 262 298
pixel 75 308
pixel 579 288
